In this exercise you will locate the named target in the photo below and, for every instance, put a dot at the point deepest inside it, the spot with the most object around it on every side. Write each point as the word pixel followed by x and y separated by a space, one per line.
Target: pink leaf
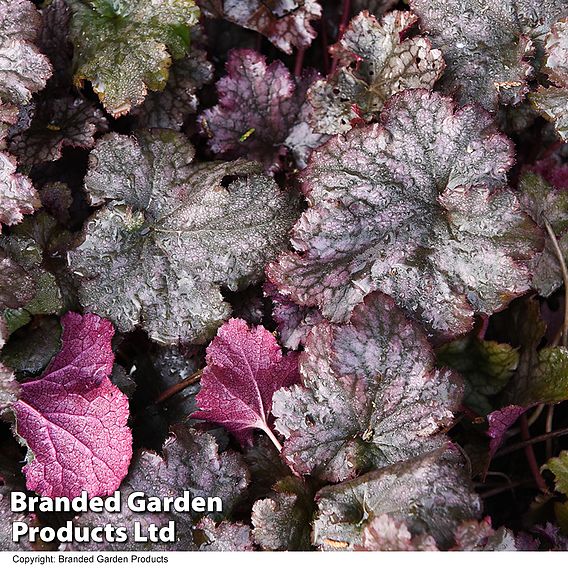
pixel 73 419
pixel 245 367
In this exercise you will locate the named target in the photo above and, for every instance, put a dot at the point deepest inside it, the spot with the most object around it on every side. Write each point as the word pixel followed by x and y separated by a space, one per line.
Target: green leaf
pixel 486 367
pixel 125 48
pixel 559 467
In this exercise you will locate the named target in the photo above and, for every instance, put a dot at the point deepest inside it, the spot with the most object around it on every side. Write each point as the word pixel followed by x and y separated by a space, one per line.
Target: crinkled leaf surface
pixel 29 354
pixel 481 536
pixel 245 367
pixel 259 106
pixel 546 204
pixel 191 461
pixel 55 124
pixel 371 395
pixel 23 69
pixel 172 233
pixel 294 322
pixel 486 367
pixel 488 45
pixel 9 388
pixel 283 521
pixel 559 467
pixel 552 102
pixel 413 207
pixel 384 533
pixel 224 537
pixel 377 60
pixel 431 494
pixel 17 194
pixel 27 287
pixel 286 23
pixel 125 48
pixel 73 419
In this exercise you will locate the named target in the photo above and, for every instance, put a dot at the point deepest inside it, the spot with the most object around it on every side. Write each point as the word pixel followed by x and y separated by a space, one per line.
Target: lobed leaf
pixel 125 48
pixel 377 60
pixel 191 461
pixel 172 233
pixel 261 111
pixel 55 124
pixel 23 69
pixel 286 23
pixel 371 396
pixel 488 45
pixel 546 204
pixel 245 367
pixel 73 419
pixel 552 102
pixel 414 207
pixel 431 494
pixel 17 194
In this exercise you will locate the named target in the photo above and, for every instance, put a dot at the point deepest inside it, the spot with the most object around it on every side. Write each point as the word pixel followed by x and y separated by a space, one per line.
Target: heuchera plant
pixel 306 256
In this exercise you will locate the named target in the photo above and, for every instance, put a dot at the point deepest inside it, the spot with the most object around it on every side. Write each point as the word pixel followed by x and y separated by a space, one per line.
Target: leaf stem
pixel 548 429
pixel 324 46
pixel 299 63
pixel 531 458
pixel 520 445
pixel 168 393
pixel 564 270
pixel 273 438
pixel 342 27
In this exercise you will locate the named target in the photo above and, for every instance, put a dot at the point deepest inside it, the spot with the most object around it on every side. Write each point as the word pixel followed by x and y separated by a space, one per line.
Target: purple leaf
pixel 23 69
pixel 260 107
pixel 385 533
pixel 294 321
pixel 499 422
pixel 431 494
pixel 189 461
pixel 371 395
pixel 17 194
pixel 552 102
pixel 245 367
pixel 73 419
pixel 224 537
pixel 285 23
pixel 414 207
pixel 55 124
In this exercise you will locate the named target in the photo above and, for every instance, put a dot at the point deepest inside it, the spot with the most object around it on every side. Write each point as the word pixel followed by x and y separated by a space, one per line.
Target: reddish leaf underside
pixel 245 367
pixel 73 419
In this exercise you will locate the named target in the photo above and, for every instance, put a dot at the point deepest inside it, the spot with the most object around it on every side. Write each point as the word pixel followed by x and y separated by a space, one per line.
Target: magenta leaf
pixel 245 367
pixel 499 422
pixel 73 419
